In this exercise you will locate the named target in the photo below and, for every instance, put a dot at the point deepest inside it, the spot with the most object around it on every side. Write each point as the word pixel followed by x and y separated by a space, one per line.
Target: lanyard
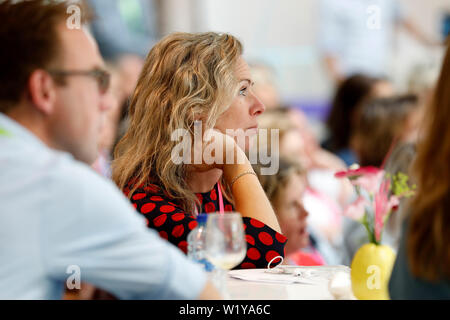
pixel 221 206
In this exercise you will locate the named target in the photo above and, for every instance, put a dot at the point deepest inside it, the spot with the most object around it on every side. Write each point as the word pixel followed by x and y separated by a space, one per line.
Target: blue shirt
pixel 58 216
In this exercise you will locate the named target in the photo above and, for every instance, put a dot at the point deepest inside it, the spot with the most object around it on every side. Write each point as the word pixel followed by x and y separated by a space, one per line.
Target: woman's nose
pixel 303 213
pixel 257 107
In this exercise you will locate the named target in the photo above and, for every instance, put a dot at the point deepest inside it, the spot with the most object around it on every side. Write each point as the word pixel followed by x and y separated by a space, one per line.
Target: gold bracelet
pixel 241 175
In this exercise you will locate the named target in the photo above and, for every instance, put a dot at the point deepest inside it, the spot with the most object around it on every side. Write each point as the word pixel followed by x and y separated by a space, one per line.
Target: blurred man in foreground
pixel 56 227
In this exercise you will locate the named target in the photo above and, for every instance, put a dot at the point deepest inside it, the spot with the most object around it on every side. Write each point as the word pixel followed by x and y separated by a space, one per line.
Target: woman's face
pixel 245 108
pixel 292 215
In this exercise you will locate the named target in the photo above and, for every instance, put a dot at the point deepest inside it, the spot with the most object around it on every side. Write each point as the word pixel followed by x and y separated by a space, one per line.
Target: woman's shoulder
pixel 149 196
pixel 404 285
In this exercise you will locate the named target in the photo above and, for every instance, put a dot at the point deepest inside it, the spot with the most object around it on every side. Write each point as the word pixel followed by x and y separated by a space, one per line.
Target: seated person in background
pixel 319 158
pixel 109 130
pixel 124 28
pixel 382 123
pixel 350 94
pixel 421 81
pixel 195 83
pixel 267 91
pixel 422 267
pixel 320 163
pixel 285 191
pixel 265 86
pixel 125 31
pixel 57 215
pixel 320 200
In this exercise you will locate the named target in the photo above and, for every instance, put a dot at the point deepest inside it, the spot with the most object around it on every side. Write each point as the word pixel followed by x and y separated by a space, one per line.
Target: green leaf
pixel 400 186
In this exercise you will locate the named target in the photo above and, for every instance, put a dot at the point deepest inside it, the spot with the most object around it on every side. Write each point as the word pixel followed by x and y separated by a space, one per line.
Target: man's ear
pixel 41 89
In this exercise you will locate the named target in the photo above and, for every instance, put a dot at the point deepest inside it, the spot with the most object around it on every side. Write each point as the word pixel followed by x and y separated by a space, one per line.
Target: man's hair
pixel 29 40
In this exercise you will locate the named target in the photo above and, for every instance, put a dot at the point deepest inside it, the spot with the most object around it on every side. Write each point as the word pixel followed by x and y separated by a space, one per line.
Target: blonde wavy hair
pixel 186 77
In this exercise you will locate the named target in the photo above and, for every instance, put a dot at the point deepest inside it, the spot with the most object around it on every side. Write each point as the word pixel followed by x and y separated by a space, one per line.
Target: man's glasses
pixel 102 77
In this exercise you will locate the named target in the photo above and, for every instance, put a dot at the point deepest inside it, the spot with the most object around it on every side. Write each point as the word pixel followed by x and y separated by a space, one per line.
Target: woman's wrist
pixel 231 171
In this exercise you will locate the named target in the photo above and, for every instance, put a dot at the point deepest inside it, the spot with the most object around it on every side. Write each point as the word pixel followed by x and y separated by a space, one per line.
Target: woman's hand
pixel 220 151
pixel 215 150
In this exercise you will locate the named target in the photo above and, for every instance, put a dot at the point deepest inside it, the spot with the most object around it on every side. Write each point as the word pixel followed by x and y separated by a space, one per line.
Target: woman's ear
pixel 200 117
pixel 41 91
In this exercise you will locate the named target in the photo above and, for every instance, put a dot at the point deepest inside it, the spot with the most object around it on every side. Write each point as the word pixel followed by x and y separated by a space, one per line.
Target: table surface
pixel 318 289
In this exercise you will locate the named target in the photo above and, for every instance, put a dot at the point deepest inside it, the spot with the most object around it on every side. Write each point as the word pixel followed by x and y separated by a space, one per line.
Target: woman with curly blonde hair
pixel 191 79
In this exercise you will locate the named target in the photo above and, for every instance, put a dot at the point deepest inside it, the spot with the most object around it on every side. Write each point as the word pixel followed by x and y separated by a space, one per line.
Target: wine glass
pixel 225 245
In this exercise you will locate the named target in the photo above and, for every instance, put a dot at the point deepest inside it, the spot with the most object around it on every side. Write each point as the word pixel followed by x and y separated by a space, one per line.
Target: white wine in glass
pixel 225 244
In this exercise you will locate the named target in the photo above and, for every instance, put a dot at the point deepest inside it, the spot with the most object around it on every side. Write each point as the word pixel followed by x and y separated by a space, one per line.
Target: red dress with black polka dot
pixel 174 224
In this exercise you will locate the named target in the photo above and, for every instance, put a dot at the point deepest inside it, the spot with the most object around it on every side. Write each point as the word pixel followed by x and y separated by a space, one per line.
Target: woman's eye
pixel 243 91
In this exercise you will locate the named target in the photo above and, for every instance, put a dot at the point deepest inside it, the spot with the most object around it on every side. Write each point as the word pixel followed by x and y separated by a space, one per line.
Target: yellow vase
pixel 370 271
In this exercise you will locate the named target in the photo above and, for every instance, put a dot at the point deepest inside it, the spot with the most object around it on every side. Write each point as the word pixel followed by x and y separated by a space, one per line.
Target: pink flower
pixel 357 209
pixel 369 182
pixel 373 190
pixel 383 206
pixel 355 173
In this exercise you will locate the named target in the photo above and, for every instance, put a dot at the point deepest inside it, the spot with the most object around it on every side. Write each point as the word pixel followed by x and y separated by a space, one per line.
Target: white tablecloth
pixel 312 284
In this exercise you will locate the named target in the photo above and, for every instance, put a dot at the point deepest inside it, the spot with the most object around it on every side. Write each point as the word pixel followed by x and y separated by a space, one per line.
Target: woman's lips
pixel 303 231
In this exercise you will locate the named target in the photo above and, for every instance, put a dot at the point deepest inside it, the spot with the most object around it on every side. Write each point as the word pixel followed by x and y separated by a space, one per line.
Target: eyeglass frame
pixel 102 77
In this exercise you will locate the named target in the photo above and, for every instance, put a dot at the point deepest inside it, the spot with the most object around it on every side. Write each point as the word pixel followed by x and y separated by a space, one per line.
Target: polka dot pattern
pixel 163 235
pixel 248 265
pixel 271 255
pixel 138 196
pixel 167 209
pixel 183 246
pixel 265 238
pixel 178 216
pixel 166 216
pixel 210 207
pixel 178 231
pixel 160 220
pixel 213 195
pixel 253 254
pixel 146 208
pixel 280 238
pixel 192 225
pixel 256 223
pixel 250 240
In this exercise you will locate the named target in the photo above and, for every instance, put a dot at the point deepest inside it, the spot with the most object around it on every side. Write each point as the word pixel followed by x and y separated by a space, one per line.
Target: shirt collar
pixel 10 128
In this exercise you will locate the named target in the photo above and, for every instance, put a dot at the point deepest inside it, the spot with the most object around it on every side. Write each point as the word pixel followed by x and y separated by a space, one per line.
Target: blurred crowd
pixel 368 119
pixel 367 116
